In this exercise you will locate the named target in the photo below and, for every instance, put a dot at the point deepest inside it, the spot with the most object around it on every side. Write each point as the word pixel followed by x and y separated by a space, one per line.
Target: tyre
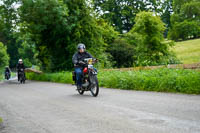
pixel 20 78
pixel 81 92
pixel 24 81
pixel 95 86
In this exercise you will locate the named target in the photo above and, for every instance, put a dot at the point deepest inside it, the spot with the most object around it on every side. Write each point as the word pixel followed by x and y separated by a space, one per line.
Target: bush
pixel 4 58
pixel 122 53
pixel 161 80
pixel 151 49
pixel 61 77
pixel 184 30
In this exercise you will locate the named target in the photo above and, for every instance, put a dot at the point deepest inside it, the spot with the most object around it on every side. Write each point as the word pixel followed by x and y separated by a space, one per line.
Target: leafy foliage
pixel 46 21
pixel 122 53
pixel 27 50
pixel 4 58
pixel 185 20
pixel 151 49
pixel 161 80
pixel 56 27
pixel 8 22
pixel 185 30
pixel 121 13
pixel 46 32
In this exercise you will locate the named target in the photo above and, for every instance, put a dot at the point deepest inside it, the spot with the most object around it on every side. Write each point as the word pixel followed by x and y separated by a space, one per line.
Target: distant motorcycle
pixel 7 75
pixel 89 78
pixel 21 76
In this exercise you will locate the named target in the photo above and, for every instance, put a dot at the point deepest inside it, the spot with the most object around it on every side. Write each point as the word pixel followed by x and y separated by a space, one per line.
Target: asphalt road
pixel 41 107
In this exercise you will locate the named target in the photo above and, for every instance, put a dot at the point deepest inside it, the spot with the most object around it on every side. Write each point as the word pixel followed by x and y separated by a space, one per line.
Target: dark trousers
pixel 79 74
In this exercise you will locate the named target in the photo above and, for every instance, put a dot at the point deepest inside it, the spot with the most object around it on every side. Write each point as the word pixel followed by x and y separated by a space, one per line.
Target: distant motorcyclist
pixel 77 60
pixel 20 66
pixel 7 71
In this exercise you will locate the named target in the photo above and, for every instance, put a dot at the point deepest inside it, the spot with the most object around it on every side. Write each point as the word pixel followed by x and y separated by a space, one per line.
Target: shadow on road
pixel 12 81
pixel 87 95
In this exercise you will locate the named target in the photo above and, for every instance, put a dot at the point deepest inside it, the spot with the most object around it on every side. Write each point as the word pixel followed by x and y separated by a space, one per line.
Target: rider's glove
pixel 81 62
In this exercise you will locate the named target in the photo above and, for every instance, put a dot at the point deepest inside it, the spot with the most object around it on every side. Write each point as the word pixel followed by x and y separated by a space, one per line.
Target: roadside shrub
pixel 61 77
pixel 122 53
pixel 184 30
pixel 4 58
pixel 160 80
pixel 1 74
pixel 151 49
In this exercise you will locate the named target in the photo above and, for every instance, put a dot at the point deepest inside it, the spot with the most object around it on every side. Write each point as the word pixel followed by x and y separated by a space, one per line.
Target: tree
pixel 121 13
pixel 56 27
pixel 166 12
pixel 185 30
pixel 8 22
pixel 4 58
pixel 46 22
pixel 149 29
pixel 185 20
pixel 27 50
pixel 85 29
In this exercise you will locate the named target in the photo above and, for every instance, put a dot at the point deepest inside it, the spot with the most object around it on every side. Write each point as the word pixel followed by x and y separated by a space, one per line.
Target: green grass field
pixel 188 51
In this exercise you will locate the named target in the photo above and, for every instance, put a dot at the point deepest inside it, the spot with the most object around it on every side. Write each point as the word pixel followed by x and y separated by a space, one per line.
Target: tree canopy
pixel 185 20
pixel 120 33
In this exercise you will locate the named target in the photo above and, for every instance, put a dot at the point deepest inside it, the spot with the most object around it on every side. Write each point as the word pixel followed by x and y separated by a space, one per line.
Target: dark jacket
pixel 20 66
pixel 80 57
pixel 7 70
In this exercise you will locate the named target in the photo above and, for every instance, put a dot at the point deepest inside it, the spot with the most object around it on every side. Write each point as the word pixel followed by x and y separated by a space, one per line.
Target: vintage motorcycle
pixel 21 76
pixel 7 75
pixel 89 78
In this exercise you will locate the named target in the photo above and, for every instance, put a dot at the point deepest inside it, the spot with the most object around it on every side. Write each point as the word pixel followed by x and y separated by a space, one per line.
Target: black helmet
pixel 81 46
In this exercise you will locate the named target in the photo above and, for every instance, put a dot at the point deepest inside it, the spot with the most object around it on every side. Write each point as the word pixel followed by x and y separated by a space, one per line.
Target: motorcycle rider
pixel 20 66
pixel 7 70
pixel 77 60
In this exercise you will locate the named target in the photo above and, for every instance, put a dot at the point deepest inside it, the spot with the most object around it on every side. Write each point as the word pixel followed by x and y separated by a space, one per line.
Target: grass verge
pixel 1 120
pixel 160 80
pixel 61 77
pixel 1 74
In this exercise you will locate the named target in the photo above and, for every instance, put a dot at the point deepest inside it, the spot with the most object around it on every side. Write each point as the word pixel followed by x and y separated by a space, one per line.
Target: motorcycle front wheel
pixel 95 86
pixel 21 81
pixel 81 92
